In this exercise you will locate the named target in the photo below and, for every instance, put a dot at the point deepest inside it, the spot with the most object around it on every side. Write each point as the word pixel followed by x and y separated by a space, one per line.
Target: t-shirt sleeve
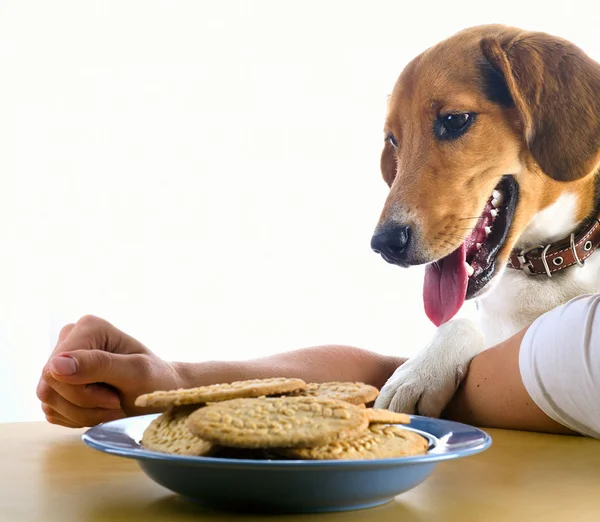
pixel 559 361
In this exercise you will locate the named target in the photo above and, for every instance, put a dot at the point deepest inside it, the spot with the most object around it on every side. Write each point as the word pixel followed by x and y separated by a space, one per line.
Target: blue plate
pixel 291 486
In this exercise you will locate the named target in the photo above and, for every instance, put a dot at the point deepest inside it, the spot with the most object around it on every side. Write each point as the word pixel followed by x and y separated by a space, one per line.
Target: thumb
pixel 94 366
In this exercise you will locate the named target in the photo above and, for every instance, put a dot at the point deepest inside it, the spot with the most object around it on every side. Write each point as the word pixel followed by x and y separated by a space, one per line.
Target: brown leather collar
pixel 546 260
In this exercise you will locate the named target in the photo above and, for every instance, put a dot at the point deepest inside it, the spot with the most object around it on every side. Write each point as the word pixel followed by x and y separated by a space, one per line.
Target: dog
pixel 491 154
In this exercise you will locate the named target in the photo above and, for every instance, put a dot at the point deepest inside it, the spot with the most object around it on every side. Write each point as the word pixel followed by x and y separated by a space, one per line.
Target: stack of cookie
pixel 278 418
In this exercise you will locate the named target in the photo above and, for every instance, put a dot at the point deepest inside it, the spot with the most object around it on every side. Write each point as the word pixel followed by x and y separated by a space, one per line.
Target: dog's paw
pixel 421 388
pixel 425 384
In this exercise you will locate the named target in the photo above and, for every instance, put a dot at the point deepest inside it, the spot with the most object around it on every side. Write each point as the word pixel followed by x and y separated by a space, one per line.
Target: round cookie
pixel 352 392
pixel 278 422
pixel 169 433
pixel 219 392
pixel 377 416
pixel 378 442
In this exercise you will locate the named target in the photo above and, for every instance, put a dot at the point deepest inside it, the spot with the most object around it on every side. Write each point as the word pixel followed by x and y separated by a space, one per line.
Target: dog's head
pixel 483 131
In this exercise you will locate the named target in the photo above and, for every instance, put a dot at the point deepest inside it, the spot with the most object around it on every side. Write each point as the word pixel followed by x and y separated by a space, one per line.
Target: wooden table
pixel 49 475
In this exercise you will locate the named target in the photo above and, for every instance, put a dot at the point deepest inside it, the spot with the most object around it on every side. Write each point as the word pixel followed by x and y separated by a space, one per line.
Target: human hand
pixel 96 372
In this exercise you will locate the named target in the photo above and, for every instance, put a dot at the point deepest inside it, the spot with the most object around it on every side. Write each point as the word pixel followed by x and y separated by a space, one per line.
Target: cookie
pixel 378 442
pixel 278 422
pixel 220 392
pixel 168 433
pixel 377 416
pixel 352 392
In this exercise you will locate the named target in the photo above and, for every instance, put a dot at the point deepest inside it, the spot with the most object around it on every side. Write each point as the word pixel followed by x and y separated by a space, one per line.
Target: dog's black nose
pixel 392 243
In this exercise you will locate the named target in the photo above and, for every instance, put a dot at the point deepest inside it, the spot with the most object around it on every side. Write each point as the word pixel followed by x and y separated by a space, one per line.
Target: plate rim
pixel 139 453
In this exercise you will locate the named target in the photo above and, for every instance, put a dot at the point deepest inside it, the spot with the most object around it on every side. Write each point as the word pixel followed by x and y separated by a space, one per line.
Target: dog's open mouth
pixel 464 273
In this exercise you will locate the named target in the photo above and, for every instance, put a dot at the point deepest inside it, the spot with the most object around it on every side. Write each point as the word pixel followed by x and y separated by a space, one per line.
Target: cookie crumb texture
pixel 378 442
pixel 220 392
pixel 378 416
pixel 279 418
pixel 353 392
pixel 168 433
pixel 278 422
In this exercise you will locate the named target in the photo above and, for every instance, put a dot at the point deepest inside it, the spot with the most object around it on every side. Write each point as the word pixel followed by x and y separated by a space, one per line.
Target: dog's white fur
pixel 426 382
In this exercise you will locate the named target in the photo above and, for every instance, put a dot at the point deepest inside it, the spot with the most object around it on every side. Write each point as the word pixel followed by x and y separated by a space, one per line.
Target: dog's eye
pixel 392 140
pixel 451 126
pixel 456 122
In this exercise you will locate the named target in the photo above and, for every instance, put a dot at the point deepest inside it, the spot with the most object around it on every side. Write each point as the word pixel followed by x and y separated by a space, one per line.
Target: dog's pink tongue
pixel 445 287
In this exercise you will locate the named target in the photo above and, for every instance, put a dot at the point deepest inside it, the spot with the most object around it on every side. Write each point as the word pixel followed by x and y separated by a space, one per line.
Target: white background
pixel 205 175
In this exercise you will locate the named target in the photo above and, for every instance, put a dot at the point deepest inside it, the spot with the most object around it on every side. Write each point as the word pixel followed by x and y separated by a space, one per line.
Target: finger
pixel 93 333
pixel 82 416
pixel 97 366
pixel 85 395
pixel 64 332
pixel 59 420
pixel 43 391
pixel 63 335
pixel 53 417
pixel 89 333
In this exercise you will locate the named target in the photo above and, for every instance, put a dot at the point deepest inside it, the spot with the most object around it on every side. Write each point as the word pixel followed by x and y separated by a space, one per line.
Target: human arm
pixel 96 372
pixel 545 378
pixel 493 394
pixel 315 364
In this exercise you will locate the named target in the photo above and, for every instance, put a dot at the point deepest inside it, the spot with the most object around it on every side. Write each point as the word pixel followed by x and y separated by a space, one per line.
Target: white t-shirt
pixel 559 361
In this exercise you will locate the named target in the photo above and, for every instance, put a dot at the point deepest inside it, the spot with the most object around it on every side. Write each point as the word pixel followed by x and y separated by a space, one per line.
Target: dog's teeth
pixel 488 230
pixel 478 245
pixel 493 213
pixel 497 198
pixel 469 268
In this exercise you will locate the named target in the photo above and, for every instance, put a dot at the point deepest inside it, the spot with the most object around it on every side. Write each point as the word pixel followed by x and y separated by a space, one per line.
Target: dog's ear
pixel 555 88
pixel 388 163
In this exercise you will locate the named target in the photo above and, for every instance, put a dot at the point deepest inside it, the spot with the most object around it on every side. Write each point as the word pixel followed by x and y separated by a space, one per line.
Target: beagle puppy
pixel 491 154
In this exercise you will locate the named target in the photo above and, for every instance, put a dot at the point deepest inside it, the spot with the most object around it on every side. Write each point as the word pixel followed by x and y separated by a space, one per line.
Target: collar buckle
pixel 524 263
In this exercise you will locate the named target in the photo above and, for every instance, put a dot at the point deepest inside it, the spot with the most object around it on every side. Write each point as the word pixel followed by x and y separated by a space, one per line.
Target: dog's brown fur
pixel 502 74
